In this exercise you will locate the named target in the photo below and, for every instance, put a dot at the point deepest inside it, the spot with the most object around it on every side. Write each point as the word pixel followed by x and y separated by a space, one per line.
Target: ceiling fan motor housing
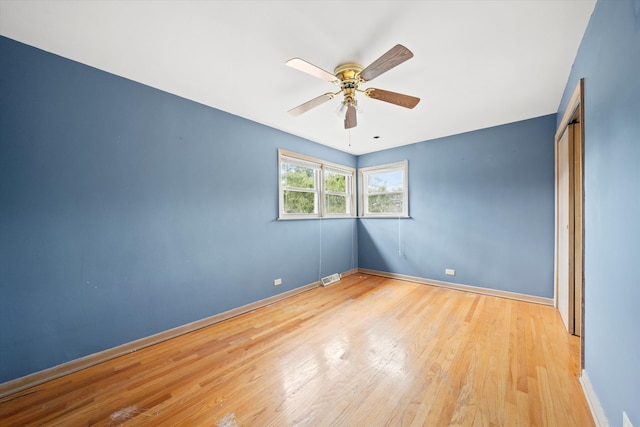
pixel 349 78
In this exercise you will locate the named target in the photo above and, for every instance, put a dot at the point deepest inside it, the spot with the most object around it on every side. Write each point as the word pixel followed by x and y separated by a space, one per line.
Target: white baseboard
pixel 594 403
pixel 31 380
pixel 459 287
pixel 349 272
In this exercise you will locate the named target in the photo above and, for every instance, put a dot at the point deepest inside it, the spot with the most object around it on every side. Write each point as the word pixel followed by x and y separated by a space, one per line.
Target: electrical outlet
pixel 450 272
pixel 626 422
pixel 277 282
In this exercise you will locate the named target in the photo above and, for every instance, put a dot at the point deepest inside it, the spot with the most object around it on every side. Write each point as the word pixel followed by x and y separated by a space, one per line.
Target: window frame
pixel 321 166
pixel 363 196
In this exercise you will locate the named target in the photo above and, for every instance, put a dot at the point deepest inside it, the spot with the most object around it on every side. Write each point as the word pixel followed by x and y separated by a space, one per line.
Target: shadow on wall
pixel 369 254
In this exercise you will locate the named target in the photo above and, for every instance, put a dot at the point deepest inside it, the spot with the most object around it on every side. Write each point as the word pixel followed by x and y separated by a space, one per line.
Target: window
pixel 313 188
pixel 338 191
pixel 299 187
pixel 384 190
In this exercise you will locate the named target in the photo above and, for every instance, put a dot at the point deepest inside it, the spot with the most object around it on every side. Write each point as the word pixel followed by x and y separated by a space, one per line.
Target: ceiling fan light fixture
pixel 342 108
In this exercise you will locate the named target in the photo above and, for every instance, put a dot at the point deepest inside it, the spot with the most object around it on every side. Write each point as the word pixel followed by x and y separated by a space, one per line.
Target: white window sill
pixel 294 218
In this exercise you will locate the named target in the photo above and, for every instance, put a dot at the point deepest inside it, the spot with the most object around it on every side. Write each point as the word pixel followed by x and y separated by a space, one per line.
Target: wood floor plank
pixel 364 351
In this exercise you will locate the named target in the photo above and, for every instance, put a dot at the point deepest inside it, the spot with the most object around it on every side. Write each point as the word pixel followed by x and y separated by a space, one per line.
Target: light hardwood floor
pixel 365 351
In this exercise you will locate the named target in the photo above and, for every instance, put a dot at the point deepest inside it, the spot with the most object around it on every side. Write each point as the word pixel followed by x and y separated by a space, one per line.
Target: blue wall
pixel 126 211
pixel 609 61
pixel 481 203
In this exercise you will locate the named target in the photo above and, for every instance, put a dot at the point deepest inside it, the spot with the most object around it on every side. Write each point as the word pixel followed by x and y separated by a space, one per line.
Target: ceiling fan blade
pixel 302 65
pixel 350 119
pixel 395 56
pixel 303 108
pixel 406 101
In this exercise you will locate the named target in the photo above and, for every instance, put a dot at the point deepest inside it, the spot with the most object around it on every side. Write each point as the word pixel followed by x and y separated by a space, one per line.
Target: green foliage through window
pixel 299 202
pixel 384 190
pixel 336 198
pixel 335 182
pixel 385 203
pixel 312 188
pixel 297 176
pixel 335 204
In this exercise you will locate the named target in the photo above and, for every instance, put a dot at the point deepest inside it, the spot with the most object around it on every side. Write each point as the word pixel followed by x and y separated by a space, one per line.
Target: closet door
pixel 568 228
pixel 564 237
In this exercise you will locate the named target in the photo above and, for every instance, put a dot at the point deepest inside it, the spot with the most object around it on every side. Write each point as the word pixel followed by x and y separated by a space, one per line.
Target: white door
pixel 565 217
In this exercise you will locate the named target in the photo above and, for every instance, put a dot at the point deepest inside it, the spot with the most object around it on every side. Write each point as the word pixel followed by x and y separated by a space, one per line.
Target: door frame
pixel 574 114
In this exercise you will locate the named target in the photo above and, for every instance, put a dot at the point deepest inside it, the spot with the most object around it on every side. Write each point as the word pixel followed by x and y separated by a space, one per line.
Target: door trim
pixel 576 101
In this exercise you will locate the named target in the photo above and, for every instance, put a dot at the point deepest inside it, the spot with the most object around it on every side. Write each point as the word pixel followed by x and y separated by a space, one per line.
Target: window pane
pixel 301 202
pixel 335 204
pixel 385 182
pixel 385 203
pixel 312 188
pixel 297 176
pixel 335 182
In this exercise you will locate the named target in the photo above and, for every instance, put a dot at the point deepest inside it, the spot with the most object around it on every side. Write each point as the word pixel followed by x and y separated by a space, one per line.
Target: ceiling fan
pixel 349 77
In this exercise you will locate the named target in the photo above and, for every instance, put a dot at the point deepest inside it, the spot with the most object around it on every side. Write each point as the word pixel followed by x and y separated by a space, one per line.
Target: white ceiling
pixel 476 63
